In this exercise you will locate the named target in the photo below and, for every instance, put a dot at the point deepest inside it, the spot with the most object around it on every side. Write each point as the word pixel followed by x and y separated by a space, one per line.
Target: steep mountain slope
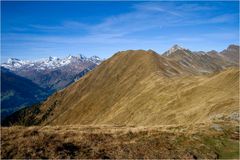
pixel 18 92
pixel 53 73
pixel 138 88
pixel 204 62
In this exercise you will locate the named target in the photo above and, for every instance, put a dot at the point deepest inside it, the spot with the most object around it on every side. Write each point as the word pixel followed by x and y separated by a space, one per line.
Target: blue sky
pixel 33 30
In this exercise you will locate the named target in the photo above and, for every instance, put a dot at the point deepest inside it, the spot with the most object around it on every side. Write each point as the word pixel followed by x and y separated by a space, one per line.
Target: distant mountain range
pixel 53 73
pixel 138 87
pixel 48 63
pixel 27 82
pixel 203 62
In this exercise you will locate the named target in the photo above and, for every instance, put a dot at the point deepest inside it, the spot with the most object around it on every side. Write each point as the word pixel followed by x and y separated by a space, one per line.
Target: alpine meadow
pixel 120 80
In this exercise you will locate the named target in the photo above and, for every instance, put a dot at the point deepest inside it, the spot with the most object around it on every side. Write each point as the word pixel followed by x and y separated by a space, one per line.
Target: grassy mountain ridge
pixel 138 87
pixel 205 62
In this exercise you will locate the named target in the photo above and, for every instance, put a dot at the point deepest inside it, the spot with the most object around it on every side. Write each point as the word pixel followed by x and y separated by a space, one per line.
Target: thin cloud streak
pixel 146 16
pixel 124 29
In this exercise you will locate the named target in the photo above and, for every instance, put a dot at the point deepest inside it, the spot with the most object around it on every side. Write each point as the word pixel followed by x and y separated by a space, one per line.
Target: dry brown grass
pixel 145 100
pixel 132 106
pixel 74 141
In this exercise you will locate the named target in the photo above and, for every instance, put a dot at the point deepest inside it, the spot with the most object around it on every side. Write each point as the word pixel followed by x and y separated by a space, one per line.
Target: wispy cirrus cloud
pixel 146 24
pixel 156 8
pixel 64 25
pixel 146 15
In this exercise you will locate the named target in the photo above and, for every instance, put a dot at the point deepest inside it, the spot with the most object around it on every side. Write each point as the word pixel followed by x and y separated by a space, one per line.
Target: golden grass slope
pixel 142 88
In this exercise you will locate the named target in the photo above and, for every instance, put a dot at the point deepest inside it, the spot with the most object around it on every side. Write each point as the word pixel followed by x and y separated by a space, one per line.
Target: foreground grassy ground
pixel 203 140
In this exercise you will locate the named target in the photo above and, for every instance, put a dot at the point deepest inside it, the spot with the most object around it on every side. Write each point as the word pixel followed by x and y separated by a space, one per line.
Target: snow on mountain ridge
pixel 48 63
pixel 95 59
pixel 175 48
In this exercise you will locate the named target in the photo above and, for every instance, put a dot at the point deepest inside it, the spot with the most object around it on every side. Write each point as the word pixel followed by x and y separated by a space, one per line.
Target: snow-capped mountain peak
pixel 95 59
pixel 69 57
pixel 173 49
pixel 82 57
pixel 14 63
pixel 49 63
pixel 12 60
pixel 52 59
pixel 15 60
